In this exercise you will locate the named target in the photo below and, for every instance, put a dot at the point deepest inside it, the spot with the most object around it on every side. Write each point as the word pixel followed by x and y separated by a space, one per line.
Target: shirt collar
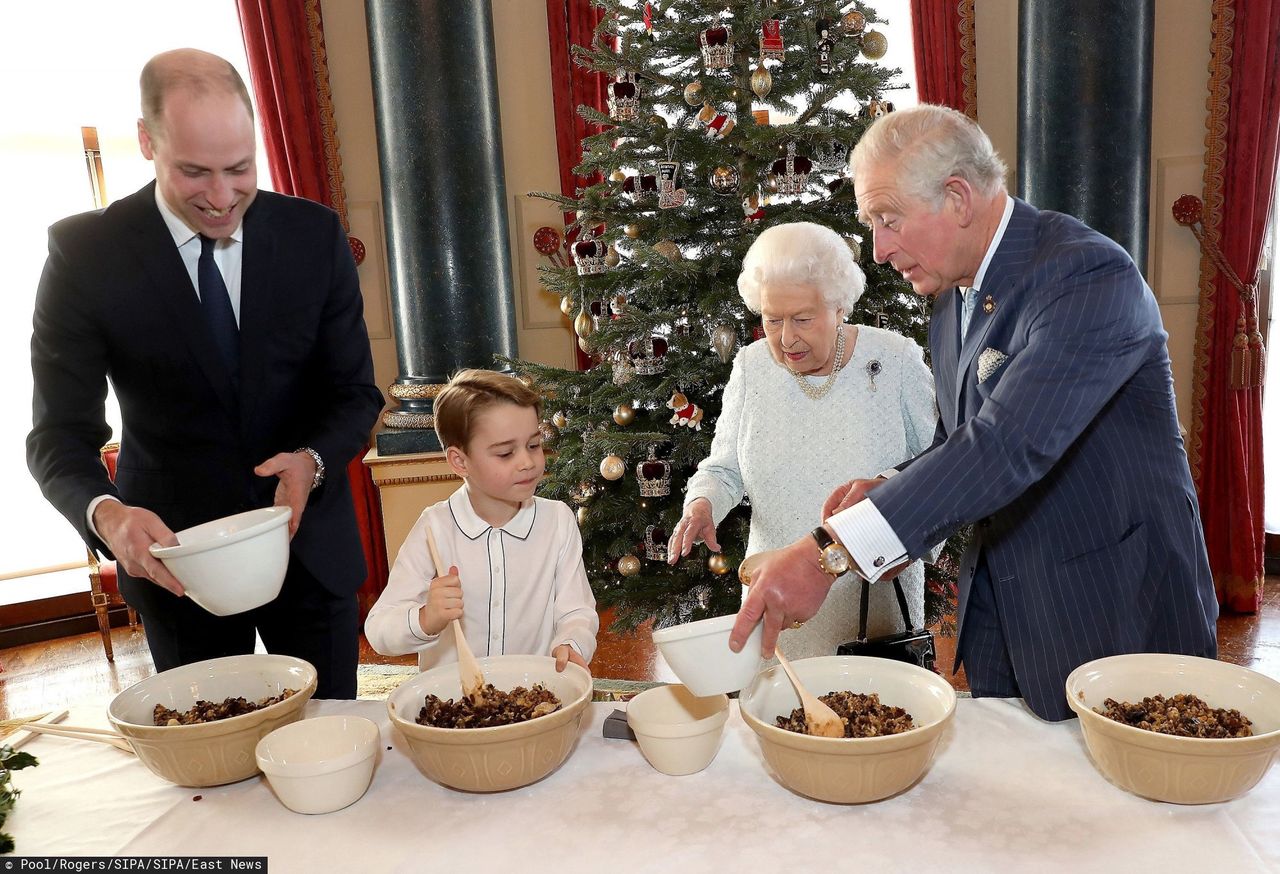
pixel 178 228
pixel 995 243
pixel 471 525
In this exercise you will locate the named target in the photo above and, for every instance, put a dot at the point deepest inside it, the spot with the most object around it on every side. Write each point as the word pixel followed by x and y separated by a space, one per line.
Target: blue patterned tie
pixel 966 311
pixel 216 304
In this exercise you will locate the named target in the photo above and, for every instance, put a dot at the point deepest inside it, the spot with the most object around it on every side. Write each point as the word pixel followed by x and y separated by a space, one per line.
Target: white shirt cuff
pixel 872 544
pixel 93 505
pixel 888 474
pixel 415 626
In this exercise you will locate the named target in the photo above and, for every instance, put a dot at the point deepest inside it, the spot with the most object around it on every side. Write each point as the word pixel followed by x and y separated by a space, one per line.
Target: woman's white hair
pixel 929 144
pixel 802 253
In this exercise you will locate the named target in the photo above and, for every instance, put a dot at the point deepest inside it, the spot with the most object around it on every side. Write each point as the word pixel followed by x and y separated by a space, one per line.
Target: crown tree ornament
pixel 690 170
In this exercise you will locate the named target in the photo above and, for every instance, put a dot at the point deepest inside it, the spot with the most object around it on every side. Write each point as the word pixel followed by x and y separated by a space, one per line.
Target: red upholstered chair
pixel 104 587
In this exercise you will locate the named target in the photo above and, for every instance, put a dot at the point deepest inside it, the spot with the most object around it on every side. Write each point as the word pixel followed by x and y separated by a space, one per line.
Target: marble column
pixel 1084 113
pixel 435 96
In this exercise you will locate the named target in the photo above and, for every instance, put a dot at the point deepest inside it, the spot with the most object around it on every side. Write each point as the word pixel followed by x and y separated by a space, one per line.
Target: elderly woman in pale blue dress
pixel 815 403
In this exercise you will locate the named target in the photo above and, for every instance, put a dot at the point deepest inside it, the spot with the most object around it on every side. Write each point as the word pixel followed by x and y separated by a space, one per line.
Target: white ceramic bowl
pixel 850 770
pixel 678 732
pixel 505 756
pixel 232 564
pixel 320 765
pixel 699 654
pixel 1182 770
pixel 211 753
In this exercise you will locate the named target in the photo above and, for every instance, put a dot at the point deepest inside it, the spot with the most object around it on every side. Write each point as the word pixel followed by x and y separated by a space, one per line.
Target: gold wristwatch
pixel 833 558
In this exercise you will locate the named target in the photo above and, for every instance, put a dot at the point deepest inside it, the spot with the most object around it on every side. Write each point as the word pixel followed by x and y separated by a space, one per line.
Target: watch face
pixel 835 560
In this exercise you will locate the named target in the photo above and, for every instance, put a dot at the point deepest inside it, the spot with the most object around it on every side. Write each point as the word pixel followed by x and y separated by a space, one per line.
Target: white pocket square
pixel 989 362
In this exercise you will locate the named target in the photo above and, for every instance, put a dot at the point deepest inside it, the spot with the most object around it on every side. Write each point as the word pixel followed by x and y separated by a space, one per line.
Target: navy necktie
pixel 216 304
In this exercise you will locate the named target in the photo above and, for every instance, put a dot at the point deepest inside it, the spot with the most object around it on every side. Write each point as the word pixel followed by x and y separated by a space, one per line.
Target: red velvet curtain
pixel 1240 175
pixel 570 23
pixel 284 42
pixel 946 73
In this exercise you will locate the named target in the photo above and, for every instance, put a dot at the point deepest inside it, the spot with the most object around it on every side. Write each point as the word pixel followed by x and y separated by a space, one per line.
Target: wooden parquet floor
pixel 43 676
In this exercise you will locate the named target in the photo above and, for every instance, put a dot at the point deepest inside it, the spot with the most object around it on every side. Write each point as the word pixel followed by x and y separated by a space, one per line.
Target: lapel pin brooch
pixel 989 305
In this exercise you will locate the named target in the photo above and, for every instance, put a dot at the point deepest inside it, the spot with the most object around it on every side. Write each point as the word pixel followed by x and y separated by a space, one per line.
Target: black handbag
pixel 915 645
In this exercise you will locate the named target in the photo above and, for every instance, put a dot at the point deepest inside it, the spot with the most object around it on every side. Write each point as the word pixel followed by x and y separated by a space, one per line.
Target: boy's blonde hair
pixel 471 392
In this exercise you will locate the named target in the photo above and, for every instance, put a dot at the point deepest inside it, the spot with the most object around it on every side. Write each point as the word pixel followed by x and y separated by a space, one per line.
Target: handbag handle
pixel 866 603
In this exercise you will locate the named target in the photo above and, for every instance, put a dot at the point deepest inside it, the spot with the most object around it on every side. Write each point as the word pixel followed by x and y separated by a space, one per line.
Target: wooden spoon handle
pixel 468 668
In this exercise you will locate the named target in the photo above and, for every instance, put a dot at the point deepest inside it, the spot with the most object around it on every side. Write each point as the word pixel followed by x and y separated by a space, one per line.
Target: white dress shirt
pixel 872 543
pixel 228 254
pixel 524 586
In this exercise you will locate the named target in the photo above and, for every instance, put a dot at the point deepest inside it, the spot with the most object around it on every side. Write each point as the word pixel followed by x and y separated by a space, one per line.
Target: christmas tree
pixel 724 119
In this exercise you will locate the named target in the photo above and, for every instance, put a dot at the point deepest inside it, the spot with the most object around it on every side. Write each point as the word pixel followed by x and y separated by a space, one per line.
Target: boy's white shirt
pixel 524 586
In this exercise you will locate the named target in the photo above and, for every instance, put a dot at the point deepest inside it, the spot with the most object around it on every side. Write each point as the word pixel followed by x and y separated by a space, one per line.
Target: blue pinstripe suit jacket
pixel 1068 459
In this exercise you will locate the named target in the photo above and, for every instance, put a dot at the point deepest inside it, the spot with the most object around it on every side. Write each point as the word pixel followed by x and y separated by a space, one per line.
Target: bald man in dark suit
pixel 230 324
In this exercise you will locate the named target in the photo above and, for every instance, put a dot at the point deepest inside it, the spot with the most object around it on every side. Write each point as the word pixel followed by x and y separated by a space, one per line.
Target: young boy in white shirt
pixel 515 576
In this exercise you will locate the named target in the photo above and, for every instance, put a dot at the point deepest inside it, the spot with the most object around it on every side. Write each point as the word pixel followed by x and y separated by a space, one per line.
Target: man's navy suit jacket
pixel 115 301
pixel 1067 457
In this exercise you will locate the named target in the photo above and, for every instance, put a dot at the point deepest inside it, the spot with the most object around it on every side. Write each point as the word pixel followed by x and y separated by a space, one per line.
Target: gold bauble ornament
pixel 583 513
pixel 618 176
pixel 668 250
pixel 693 93
pixel 632 230
pixel 724 339
pixel 583 325
pixel 611 257
pixel 526 379
pixel 624 414
pixel 761 81
pixel 718 564
pixel 566 305
pixel 874 45
pixel 612 467
pixel 585 345
pixel 560 420
pixel 657 122
pixel 628 565
pixel 853 23
pixel 548 432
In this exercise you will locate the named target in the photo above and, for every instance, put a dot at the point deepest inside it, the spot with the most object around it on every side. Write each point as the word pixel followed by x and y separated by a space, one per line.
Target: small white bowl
pixel 1164 767
pixel 320 765
pixel 232 564
pixel 678 732
pixel 699 654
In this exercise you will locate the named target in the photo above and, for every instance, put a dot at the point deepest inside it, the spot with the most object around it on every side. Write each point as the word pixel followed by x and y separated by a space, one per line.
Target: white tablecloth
pixel 1006 792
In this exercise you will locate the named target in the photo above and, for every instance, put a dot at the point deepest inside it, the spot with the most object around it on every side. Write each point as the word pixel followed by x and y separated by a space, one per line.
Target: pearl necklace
pixel 817 392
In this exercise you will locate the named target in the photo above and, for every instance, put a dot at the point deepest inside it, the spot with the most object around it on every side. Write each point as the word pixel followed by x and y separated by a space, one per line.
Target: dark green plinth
pixel 407 441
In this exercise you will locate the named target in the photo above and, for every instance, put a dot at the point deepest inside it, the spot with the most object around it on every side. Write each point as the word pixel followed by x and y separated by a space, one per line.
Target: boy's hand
pixel 565 654
pixel 444 603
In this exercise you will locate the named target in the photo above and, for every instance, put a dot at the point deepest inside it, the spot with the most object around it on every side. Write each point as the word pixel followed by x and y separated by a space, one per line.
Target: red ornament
pixel 358 251
pixel 1188 210
pixel 547 241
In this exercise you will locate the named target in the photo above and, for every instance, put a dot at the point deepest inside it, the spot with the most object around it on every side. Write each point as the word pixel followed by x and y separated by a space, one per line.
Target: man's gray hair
pixel 802 253
pixel 929 144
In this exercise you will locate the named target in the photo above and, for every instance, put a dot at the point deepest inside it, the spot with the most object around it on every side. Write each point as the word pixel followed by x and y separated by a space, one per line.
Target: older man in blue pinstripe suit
pixel 1058 435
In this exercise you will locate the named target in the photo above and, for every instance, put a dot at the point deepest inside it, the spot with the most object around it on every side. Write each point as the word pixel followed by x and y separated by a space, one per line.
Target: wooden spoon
pixel 468 668
pixel 97 735
pixel 819 719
